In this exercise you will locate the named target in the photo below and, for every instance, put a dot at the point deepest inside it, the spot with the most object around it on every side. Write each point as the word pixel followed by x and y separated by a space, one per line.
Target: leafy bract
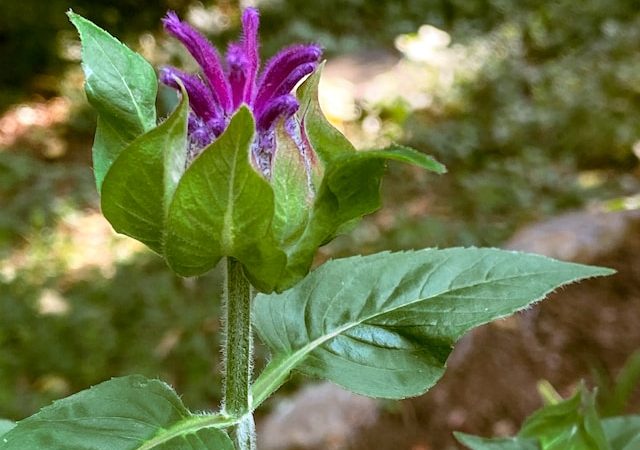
pixel 383 325
pixel 121 86
pixel 224 207
pixel 140 184
pixel 293 188
pixel 325 139
pixel 349 186
pixel 128 413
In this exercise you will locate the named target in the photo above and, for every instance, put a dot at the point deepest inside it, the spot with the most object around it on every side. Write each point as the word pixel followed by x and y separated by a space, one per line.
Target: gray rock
pixel 580 236
pixel 319 416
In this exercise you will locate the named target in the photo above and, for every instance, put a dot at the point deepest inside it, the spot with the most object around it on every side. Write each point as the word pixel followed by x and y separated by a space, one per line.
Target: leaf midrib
pixel 189 425
pixel 293 359
pixel 228 234
pixel 122 79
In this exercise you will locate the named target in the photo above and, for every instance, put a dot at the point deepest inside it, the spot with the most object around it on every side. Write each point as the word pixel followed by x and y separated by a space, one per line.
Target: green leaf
pixel 128 413
pixel 121 86
pixel 224 207
pixel 479 443
pixel 354 180
pixel 5 426
pixel 623 433
pixel 620 433
pixel 625 384
pixel 140 184
pixel 569 425
pixel 383 325
pixel 407 155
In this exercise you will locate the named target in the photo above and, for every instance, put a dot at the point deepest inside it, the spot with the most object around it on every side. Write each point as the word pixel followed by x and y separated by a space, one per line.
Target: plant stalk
pixel 238 355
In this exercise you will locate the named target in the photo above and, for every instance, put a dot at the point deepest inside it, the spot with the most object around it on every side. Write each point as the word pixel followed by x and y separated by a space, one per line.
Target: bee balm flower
pixel 226 85
pixel 242 170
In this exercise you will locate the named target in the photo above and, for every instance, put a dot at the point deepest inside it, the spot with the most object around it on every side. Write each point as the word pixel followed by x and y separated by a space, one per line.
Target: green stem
pixel 238 355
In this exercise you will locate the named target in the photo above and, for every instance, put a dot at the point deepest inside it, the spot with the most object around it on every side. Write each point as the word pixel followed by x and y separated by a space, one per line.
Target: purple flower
pixel 225 85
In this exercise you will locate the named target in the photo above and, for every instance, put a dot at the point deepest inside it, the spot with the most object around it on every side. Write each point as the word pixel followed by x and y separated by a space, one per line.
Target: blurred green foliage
pixel 136 317
pixel 142 320
pixel 558 96
pixel 32 202
pixel 33 32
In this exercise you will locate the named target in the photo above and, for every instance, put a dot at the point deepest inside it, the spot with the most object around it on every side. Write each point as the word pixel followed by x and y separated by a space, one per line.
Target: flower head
pixel 225 85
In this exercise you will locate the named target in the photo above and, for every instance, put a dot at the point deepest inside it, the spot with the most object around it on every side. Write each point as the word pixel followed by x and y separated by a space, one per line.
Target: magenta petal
pixel 200 96
pixel 284 106
pixel 205 55
pixel 280 67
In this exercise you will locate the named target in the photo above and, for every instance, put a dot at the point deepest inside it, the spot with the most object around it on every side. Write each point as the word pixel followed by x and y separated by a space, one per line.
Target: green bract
pixel 220 204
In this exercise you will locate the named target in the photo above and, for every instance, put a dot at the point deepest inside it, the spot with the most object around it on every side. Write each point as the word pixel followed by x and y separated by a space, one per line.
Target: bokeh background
pixel 534 106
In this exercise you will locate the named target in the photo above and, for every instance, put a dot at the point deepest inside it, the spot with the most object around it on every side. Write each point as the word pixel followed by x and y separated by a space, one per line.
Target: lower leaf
pixel 128 413
pixel 384 325
pixel 5 426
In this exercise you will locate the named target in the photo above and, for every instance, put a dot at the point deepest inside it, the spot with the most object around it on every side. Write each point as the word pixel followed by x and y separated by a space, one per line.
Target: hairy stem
pixel 238 355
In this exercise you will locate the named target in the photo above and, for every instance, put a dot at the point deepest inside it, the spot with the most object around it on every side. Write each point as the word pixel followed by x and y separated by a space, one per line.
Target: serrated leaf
pixel 383 325
pixel 224 207
pixel 128 413
pixel 140 184
pixel 121 86
pixel 622 433
pixel 572 424
pixel 5 426
pixel 479 443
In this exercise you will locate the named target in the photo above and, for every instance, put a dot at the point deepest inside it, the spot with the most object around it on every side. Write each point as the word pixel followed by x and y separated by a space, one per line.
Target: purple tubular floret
pixel 293 78
pixel 216 95
pixel 280 67
pixel 250 24
pixel 205 55
pixel 217 126
pixel 281 107
pixel 200 96
pixel 238 70
pixel 193 123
